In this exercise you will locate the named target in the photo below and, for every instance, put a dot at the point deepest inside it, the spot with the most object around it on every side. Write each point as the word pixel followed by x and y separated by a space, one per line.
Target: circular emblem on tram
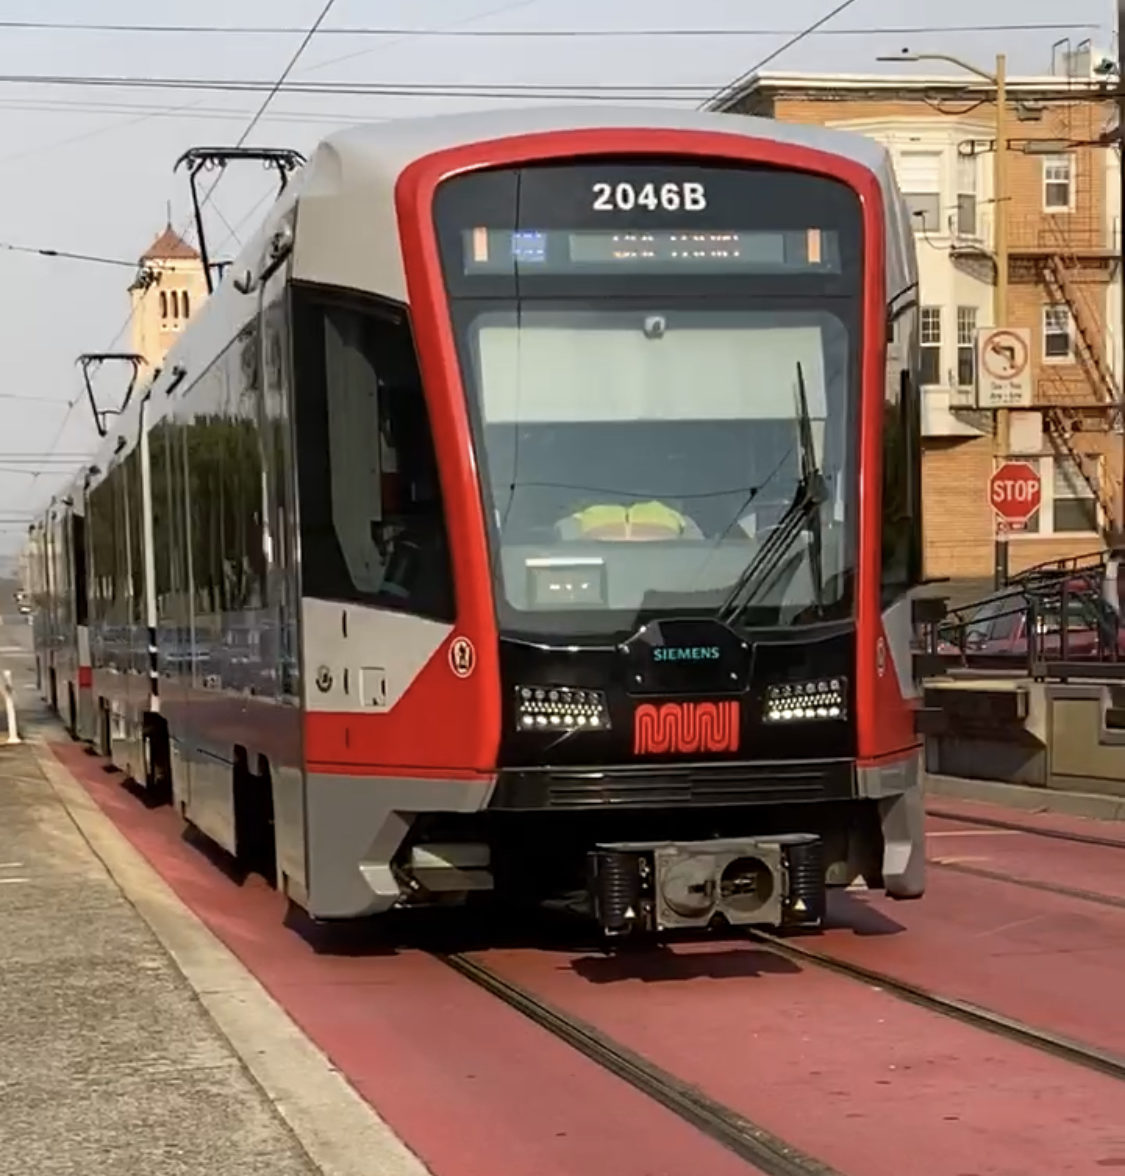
pixel 881 657
pixel 462 657
pixel 323 679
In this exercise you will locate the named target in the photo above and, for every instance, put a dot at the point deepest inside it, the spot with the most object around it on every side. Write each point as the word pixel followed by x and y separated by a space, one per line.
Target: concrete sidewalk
pixel 108 1062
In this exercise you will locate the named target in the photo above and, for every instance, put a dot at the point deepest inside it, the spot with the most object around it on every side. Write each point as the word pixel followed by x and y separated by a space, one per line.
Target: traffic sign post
pixel 1003 367
pixel 1014 491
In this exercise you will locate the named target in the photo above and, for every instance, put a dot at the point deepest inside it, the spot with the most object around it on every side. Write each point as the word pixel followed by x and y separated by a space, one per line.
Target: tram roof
pixel 398 142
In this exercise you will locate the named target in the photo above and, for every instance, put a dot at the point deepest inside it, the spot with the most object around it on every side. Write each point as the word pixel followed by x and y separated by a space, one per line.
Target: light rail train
pixel 532 512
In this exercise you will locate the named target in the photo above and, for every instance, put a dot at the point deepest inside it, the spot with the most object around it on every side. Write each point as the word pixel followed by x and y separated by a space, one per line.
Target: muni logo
pixel 682 728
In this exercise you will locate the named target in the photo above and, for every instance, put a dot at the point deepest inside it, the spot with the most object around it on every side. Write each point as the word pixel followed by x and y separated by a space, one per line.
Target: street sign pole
pixel 1003 383
pixel 1120 147
pixel 1002 431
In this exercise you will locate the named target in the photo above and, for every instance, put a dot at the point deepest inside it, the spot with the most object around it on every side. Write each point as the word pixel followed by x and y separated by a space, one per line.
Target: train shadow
pixel 450 931
pixel 721 955
pixel 854 912
pixel 661 963
pixel 216 856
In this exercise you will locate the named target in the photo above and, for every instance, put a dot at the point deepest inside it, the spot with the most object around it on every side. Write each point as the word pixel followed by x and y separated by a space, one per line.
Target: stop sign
pixel 1014 491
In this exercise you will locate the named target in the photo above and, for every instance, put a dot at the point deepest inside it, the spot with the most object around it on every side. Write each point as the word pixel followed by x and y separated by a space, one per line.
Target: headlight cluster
pixel 560 708
pixel 825 698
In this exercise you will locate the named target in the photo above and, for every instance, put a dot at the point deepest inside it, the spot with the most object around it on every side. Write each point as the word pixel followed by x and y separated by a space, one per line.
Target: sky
pixel 88 169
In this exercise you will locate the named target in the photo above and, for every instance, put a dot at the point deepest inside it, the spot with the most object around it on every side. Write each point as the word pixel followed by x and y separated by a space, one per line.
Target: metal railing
pixel 1065 232
pixel 1052 621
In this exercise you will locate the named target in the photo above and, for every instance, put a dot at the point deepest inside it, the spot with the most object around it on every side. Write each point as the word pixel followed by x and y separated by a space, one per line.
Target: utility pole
pixel 1002 432
pixel 1120 537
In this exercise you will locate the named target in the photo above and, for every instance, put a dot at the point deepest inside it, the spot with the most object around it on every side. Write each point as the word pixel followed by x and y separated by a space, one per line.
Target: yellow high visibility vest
pixel 643 520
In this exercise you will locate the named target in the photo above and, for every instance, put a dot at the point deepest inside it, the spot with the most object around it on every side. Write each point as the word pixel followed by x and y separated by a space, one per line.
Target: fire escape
pixel 1069 256
pixel 1070 259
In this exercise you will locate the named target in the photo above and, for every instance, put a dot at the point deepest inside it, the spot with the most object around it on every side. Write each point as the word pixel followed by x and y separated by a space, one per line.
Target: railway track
pixel 753 1143
pixel 759 1147
pixel 1093 896
pixel 1087 1056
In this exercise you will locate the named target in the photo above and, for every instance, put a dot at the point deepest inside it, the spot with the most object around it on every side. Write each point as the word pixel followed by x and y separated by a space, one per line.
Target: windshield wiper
pixel 802 513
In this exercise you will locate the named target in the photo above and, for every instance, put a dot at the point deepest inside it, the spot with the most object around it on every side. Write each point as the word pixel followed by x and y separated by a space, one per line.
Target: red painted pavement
pixel 863 1081
pixel 470 1085
pixel 870 1084
pixel 1096 868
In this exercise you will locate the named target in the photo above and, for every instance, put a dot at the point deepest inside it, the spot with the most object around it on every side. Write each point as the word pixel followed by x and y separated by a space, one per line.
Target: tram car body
pixel 535 509
pixel 59 596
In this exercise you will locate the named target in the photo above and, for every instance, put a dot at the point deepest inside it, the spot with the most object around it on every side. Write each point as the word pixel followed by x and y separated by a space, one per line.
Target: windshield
pixel 637 430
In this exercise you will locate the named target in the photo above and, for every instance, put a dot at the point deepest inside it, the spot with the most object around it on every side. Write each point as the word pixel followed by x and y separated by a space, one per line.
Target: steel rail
pixel 751 1142
pixel 1087 1056
pixel 1093 896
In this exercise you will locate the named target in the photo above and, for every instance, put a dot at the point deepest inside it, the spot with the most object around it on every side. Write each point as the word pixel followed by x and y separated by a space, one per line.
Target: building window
pixel 1075 503
pixel 1056 332
pixel 930 338
pixel 966 196
pixel 966 346
pixel 175 305
pixel 1057 190
pixel 919 177
pixel 163 304
pixel 185 304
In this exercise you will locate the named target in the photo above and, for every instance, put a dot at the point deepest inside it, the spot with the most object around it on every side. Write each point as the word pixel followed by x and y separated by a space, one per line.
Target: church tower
pixel 169 289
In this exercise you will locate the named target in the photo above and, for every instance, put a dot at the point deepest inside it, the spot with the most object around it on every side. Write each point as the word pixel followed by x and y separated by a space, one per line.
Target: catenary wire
pixel 378 31
pixel 795 39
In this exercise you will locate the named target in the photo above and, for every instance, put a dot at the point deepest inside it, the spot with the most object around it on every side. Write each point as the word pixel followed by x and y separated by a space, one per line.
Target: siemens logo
pixel 687 653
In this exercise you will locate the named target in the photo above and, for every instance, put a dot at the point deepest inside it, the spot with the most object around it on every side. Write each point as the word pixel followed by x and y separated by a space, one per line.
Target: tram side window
pixel 372 522
pixel 163 514
pixel 902 515
pixel 78 539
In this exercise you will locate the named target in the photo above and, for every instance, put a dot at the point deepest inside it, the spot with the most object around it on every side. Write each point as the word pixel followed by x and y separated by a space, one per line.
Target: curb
pixel 1027 798
pixel 341 1134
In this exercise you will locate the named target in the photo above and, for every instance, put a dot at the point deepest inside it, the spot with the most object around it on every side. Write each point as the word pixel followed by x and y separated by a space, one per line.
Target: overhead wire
pixel 504 91
pixel 260 85
pixel 154 110
pixel 391 31
pixel 66 255
pixel 309 34
pixel 732 87
pixel 454 26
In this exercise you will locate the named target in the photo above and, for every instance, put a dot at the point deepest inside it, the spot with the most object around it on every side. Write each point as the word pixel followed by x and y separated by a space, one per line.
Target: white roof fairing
pixel 347 232
pixel 348 229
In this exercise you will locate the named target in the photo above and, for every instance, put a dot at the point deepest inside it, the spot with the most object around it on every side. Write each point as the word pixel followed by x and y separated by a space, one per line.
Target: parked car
pixel 996 629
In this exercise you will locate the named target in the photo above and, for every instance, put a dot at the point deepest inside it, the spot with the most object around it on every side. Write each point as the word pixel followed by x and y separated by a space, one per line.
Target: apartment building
pixel 1062 214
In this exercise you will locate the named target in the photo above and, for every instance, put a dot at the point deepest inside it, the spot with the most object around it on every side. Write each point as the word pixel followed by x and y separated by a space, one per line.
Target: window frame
pixel 1047 309
pixel 307 304
pixel 927 315
pixel 1050 161
pixel 966 185
pixel 963 312
pixel 940 228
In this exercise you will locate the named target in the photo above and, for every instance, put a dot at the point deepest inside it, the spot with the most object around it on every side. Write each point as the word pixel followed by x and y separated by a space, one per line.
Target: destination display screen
pixel 610 227
pixel 558 251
